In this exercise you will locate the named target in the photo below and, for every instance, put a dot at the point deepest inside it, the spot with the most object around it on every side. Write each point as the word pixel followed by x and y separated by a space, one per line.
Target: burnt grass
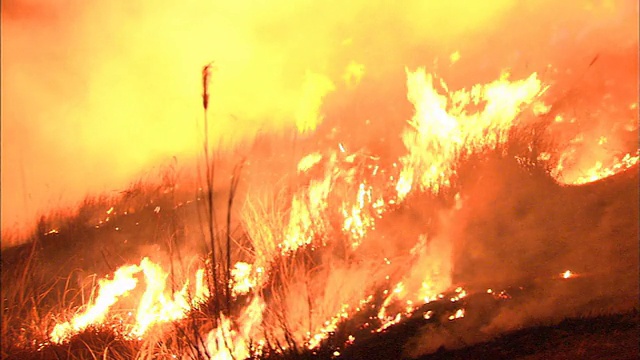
pixel 611 336
pixel 591 336
pixel 80 244
pixel 601 337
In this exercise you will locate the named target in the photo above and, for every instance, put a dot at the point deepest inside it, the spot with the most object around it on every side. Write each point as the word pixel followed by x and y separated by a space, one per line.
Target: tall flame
pixel 153 306
pixel 443 128
pixel 344 203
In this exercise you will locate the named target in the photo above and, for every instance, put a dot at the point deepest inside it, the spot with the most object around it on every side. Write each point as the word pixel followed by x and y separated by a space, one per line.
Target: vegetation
pixel 54 275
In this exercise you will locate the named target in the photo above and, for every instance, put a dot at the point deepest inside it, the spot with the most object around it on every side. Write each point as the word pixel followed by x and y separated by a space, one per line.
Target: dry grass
pixel 302 290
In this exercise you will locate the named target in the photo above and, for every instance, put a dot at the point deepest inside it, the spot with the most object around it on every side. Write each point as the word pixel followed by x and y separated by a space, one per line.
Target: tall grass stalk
pixel 233 188
pixel 210 173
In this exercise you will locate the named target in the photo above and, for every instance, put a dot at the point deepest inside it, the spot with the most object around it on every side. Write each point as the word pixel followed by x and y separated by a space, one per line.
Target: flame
pixel 357 221
pixel 242 278
pixel 592 153
pixel 457 315
pixel 109 292
pixel 306 208
pixel 567 172
pixel 329 327
pixel 316 86
pixel 225 343
pixel 344 197
pixel 598 171
pixel 353 74
pixel 309 161
pixel 153 306
pixel 444 129
pixel 454 57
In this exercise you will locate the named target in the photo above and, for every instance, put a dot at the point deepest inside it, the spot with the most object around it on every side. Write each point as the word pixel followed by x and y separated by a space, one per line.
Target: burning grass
pixel 443 241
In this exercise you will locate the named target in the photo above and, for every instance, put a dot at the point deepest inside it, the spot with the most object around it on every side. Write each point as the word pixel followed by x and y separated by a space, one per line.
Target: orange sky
pixel 94 94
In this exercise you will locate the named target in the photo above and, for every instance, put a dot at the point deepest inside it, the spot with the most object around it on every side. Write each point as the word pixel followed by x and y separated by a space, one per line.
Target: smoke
pixel 517 230
pixel 94 95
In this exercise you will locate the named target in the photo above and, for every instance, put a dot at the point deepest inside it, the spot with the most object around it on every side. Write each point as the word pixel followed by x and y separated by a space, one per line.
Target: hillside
pixel 516 239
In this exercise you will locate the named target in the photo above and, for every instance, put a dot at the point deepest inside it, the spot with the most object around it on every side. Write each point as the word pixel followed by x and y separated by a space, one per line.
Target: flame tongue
pixel 599 171
pixel 445 126
pixel 154 307
pixel 442 129
pixel 346 202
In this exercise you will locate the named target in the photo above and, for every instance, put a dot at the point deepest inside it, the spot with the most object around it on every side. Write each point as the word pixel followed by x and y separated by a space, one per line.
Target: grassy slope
pixel 520 233
pixel 604 210
pixel 601 337
pixel 612 336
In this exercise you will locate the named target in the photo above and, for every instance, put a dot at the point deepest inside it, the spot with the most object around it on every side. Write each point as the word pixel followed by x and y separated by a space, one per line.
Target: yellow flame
pixel 153 307
pixel 309 161
pixel 315 88
pixel 242 277
pixel 446 125
pixel 454 57
pixel 353 74
pixel 109 292
pixel 443 128
pixel 230 341
pixel 357 221
pixel 457 315
pixel 598 171
pixel 306 212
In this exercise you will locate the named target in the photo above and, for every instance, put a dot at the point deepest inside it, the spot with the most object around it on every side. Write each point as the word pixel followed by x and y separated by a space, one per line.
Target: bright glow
pixel 153 306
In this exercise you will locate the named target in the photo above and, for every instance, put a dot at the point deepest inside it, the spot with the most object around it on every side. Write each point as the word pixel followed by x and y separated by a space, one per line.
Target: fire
pixel 243 281
pixel 329 326
pixel 306 207
pixel 154 307
pixel 457 315
pixel 598 171
pixel 309 161
pixel 316 86
pixel 353 74
pixel 344 197
pixel 444 129
pixel 357 221
pixel 108 293
pixel 592 154
pixel 226 343
pixel 566 173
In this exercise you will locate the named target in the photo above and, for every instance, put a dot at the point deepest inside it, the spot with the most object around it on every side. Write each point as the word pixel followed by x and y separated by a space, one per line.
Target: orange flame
pixel 109 292
pixel 598 171
pixel 443 129
pixel 154 307
pixel 446 126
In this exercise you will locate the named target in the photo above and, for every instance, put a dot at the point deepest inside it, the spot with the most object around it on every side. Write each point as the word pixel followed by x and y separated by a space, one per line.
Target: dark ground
pixel 601 337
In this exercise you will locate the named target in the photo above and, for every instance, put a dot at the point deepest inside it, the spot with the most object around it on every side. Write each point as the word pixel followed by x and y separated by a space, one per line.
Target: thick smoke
pixel 93 94
pixel 519 232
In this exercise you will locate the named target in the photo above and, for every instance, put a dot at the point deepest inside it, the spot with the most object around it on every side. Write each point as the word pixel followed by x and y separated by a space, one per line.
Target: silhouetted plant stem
pixel 210 172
